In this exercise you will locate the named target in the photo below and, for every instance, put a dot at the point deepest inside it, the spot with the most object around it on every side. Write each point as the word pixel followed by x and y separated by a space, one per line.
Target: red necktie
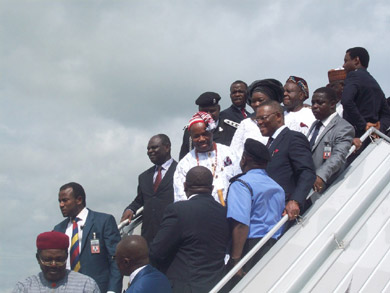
pixel 243 112
pixel 158 179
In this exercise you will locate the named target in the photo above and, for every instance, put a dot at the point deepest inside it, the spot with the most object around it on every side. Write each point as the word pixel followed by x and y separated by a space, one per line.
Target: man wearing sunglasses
pixel 52 255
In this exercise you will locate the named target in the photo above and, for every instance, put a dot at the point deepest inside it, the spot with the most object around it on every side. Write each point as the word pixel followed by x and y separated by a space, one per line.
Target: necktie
pixel 158 179
pixel 269 142
pixel 74 248
pixel 315 134
pixel 243 112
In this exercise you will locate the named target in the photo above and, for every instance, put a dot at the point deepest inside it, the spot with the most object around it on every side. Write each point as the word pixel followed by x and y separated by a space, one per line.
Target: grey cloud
pixel 84 85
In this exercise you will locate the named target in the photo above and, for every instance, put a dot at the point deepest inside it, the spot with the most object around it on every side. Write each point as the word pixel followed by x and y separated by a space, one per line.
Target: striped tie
pixel 74 248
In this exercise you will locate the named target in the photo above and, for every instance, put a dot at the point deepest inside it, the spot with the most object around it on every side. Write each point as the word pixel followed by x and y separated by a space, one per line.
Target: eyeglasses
pixel 264 117
pixel 49 263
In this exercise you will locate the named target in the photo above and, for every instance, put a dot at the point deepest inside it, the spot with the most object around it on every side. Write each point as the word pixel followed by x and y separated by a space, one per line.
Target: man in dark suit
pixel 191 243
pixel 132 258
pixel 291 164
pixel 330 138
pixel 238 94
pixel 155 188
pixel 363 100
pixel 223 133
pixel 93 238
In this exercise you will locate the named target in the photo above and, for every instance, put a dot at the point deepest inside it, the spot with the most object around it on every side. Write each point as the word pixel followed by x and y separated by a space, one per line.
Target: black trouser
pixel 249 244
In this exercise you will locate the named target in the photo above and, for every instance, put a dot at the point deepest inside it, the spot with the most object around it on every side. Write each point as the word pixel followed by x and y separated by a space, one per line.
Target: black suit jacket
pixel 100 267
pixel 234 114
pixel 223 134
pixel 191 244
pixel 291 165
pixel 154 203
pixel 364 101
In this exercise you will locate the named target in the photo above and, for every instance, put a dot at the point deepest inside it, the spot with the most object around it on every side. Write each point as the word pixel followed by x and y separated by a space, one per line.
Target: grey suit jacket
pixel 338 134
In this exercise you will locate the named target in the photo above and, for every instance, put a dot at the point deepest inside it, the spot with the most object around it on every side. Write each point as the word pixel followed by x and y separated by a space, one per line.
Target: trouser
pixel 249 244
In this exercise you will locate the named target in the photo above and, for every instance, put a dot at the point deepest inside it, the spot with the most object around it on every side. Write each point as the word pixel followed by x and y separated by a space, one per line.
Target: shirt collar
pixel 279 130
pixel 193 196
pixel 326 121
pixel 238 108
pixel 133 274
pixel 56 284
pixel 82 216
pixel 166 165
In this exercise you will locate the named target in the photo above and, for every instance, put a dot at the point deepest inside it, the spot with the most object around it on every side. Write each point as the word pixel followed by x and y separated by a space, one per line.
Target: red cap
pixel 52 240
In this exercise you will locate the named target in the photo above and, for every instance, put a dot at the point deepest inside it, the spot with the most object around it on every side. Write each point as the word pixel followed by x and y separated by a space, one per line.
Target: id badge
pixel 95 245
pixel 327 152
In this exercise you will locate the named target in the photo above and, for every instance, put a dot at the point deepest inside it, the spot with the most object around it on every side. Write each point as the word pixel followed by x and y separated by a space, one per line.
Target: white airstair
pixel 343 242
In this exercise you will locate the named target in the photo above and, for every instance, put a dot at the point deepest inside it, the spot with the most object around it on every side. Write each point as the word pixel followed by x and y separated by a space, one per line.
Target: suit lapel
pixel 87 229
pixel 167 176
pixel 331 124
pixel 149 178
pixel 63 225
pixel 311 129
pixel 277 140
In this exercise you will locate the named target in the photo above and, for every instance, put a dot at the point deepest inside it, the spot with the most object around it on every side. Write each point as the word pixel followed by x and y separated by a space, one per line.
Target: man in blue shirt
pixel 255 204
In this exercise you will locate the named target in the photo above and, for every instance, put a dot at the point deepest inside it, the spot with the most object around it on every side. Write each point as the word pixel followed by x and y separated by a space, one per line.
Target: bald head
pixel 131 253
pixel 198 180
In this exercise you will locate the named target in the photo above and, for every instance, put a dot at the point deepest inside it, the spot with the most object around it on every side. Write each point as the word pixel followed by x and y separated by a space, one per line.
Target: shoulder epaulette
pixel 237 178
pixel 234 178
pixel 231 123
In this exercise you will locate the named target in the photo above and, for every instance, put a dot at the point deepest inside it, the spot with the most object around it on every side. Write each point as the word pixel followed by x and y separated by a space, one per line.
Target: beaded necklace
pixel 213 165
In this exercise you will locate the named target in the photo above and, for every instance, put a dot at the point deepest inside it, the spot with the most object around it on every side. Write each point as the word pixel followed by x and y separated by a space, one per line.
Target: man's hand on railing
pixel 292 210
pixel 376 125
pixel 127 215
pixel 357 143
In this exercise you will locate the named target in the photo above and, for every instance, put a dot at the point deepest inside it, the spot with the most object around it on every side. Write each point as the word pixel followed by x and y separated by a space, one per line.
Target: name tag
pixel 327 152
pixel 95 245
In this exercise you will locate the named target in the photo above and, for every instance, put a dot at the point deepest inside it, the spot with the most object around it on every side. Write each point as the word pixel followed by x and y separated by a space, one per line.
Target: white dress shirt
pixel 278 131
pixel 325 123
pixel 133 274
pixel 164 169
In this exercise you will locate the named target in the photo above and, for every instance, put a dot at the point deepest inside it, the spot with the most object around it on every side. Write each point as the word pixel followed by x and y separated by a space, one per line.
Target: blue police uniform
pixel 260 211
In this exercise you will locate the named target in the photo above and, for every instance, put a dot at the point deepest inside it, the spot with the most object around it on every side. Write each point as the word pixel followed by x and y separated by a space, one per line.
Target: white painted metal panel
pixel 354 211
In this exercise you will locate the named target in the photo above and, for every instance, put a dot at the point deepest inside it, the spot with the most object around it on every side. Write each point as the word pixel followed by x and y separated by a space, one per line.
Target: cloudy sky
pixel 85 84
